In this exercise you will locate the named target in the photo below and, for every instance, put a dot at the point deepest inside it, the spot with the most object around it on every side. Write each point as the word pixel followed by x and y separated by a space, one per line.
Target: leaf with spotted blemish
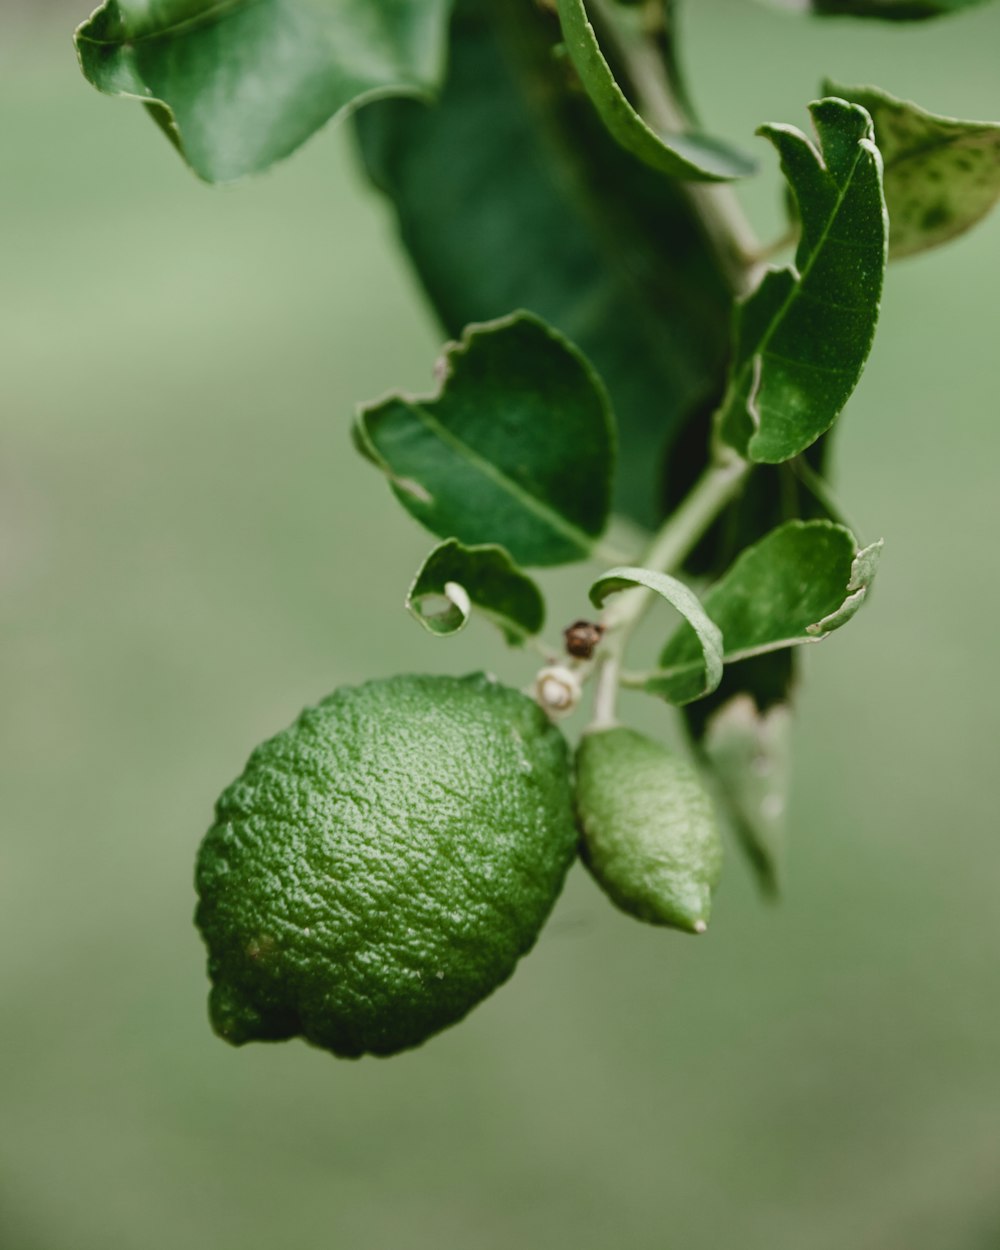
pixel 802 338
pixel 942 175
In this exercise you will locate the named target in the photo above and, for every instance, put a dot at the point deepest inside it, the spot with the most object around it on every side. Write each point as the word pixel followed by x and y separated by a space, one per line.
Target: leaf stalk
pixel 723 221
pixel 668 549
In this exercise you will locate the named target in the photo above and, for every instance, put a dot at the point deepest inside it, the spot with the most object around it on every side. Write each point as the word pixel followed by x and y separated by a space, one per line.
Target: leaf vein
pixel 529 502
pixel 219 11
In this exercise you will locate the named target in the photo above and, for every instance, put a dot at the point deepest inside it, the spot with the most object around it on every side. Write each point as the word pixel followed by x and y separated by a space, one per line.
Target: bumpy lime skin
pixel 382 864
pixel 648 830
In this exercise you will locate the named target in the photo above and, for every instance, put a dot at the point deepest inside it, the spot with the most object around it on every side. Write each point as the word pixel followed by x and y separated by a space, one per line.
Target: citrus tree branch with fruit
pixel 621 343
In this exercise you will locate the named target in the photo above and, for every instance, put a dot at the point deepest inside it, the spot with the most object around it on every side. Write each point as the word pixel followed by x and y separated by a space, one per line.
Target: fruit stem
pixel 669 547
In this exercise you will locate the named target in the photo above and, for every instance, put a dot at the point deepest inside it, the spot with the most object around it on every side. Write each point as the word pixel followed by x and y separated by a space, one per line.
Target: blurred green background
pixel 190 551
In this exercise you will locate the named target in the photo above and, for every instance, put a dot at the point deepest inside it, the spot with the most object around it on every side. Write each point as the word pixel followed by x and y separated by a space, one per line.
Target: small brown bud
pixel 582 637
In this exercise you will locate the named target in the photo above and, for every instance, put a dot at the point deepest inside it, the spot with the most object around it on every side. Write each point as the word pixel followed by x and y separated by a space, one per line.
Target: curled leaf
pixel 455 579
pixel 705 671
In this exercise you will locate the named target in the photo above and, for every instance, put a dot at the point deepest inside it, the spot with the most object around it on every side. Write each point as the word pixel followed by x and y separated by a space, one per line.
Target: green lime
pixel 382 864
pixel 649 834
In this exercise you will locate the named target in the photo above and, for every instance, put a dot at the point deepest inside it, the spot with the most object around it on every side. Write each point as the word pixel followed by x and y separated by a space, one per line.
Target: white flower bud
pixel 557 689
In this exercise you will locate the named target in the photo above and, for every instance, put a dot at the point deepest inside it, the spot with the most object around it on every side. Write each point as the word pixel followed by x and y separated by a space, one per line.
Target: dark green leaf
pixel 239 84
pixel 749 754
pixel 516 448
pixel 706 671
pixel 941 175
pixel 797 585
pixel 691 156
pixel 455 579
pixel 889 10
pixel 546 212
pixel 802 338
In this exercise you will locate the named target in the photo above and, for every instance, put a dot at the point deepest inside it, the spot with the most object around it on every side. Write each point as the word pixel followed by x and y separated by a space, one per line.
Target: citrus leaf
pixel 606 250
pixel 797 585
pixel 942 175
pixel 239 84
pixel 749 757
pixel 706 670
pixel 694 157
pixel 516 447
pixel 802 338
pixel 749 754
pixel 888 10
pixel 454 579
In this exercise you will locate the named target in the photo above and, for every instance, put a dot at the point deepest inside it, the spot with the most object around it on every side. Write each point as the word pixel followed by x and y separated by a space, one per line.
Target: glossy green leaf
pixel 454 579
pixel 942 175
pixel 602 247
pixel 797 585
pixel 748 753
pixel 515 448
pixel 239 84
pixel 706 671
pixel 690 156
pixel 888 10
pixel 802 338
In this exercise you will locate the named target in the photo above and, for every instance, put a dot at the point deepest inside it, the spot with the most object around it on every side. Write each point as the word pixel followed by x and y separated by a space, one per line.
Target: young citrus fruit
pixel 648 830
pixel 382 864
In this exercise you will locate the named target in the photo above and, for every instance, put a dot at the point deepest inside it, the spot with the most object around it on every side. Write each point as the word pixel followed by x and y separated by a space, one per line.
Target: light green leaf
pixel 743 732
pixel 706 671
pixel 239 84
pixel 802 338
pixel 695 157
pixel 797 585
pixel 942 175
pixel 454 579
pixel 605 249
pixel 749 755
pixel 516 447
pixel 889 10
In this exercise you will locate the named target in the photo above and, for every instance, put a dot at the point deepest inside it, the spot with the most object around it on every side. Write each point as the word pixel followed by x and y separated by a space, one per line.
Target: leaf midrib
pixel 566 529
pixel 688 667
pixel 802 275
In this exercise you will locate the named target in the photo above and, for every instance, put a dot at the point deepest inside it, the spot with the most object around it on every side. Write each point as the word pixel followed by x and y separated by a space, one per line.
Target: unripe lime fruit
pixel 648 831
pixel 382 864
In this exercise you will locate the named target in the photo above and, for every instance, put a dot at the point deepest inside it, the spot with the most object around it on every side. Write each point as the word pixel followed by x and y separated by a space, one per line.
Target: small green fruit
pixel 649 834
pixel 381 865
